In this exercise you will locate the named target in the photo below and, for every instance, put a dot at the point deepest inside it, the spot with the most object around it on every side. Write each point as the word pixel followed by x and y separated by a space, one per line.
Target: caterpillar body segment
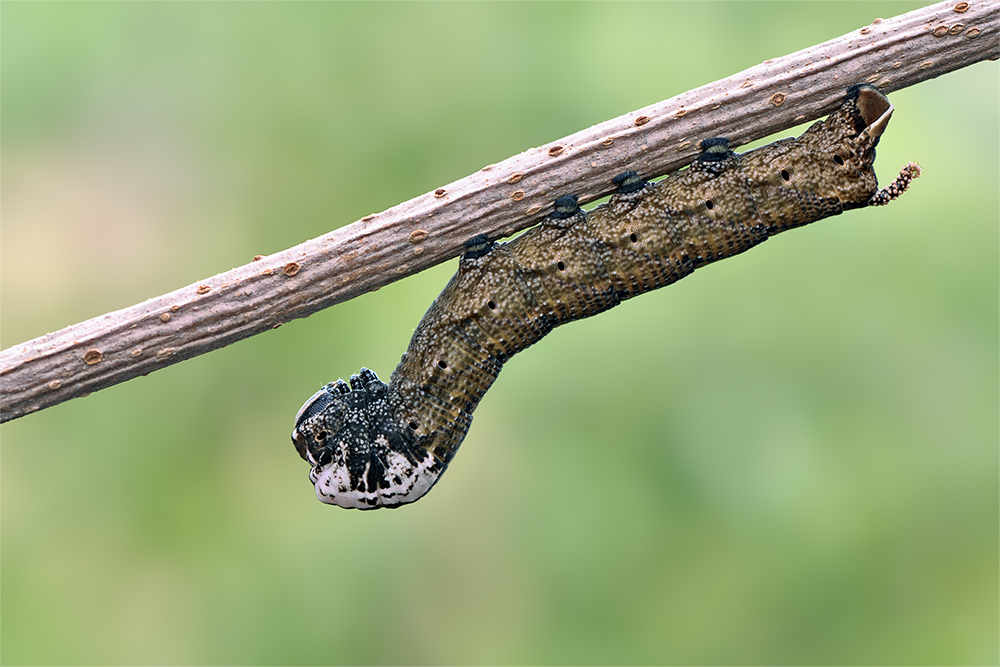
pixel 372 444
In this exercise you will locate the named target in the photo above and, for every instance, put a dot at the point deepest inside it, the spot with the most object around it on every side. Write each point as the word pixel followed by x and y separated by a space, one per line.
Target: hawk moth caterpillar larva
pixel 372 444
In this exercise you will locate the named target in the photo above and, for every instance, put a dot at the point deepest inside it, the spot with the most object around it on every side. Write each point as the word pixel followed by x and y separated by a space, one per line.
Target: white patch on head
pixel 333 482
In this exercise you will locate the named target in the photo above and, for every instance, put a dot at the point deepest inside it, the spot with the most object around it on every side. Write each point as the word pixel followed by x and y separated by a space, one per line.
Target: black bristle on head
pixel 628 181
pixel 477 246
pixel 565 207
pixel 714 149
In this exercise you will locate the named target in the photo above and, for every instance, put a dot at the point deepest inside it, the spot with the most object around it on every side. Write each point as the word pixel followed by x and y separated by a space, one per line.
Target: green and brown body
pixel 376 445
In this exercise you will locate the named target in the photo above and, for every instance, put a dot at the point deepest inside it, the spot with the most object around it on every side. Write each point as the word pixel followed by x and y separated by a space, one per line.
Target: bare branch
pixel 499 200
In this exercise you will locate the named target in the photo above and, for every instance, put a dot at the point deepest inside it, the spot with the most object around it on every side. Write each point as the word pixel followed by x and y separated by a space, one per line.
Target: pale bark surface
pixel 498 200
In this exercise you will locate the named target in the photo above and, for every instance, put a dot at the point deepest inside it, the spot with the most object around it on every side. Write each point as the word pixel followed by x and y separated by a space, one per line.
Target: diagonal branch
pixel 498 200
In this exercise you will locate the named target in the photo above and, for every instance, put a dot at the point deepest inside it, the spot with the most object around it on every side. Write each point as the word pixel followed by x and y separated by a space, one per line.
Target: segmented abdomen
pixel 376 445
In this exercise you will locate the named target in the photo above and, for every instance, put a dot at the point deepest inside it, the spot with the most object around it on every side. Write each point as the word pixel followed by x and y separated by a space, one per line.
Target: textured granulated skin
pixel 375 445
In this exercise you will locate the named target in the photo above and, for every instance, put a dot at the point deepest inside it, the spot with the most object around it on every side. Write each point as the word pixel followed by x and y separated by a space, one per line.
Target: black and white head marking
pixel 360 458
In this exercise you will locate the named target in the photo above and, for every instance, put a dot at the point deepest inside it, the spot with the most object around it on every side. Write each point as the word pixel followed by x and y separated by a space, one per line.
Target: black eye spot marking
pixel 839 160
pixel 709 205
pixel 442 364
pixel 491 305
pixel 412 426
pixel 321 436
pixel 561 266
pixel 633 238
pixel 785 176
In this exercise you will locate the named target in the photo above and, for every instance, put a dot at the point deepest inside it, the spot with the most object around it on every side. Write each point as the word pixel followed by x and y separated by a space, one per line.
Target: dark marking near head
pixel 324 457
pixel 566 207
pixel 477 246
pixel 714 149
pixel 628 181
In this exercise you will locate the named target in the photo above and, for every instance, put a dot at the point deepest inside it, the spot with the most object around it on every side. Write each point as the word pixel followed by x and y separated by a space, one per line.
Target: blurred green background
pixel 790 457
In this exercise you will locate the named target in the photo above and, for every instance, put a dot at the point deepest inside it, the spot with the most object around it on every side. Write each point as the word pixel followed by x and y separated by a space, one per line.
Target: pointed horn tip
pixel 876 129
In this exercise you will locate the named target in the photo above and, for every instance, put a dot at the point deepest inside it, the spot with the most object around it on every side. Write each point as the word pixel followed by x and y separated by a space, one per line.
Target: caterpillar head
pixel 360 457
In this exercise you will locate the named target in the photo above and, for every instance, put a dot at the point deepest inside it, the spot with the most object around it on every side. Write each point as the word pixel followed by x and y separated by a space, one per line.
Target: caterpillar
pixel 372 444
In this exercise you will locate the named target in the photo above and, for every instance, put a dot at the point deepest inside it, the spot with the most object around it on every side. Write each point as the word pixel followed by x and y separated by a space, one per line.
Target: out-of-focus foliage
pixel 789 457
